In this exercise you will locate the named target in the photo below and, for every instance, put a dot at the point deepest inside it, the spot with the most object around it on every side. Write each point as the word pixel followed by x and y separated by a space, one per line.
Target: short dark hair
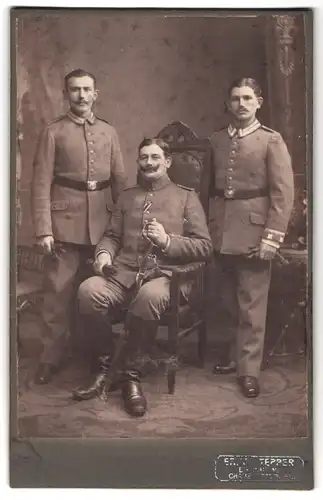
pixel 148 141
pixel 78 73
pixel 246 82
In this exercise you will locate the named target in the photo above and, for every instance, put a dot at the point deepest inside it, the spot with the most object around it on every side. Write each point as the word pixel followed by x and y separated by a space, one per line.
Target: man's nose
pixel 81 93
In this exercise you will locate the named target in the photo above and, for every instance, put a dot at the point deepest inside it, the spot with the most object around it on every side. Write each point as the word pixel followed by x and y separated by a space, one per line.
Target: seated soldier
pixel 159 218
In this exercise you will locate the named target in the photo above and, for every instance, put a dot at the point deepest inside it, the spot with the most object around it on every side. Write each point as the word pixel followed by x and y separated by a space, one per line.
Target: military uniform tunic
pixel 179 210
pixel 80 150
pixel 252 194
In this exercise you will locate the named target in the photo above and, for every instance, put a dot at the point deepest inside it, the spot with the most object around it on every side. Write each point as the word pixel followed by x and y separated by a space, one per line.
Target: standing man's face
pixel 152 162
pixel 81 94
pixel 243 104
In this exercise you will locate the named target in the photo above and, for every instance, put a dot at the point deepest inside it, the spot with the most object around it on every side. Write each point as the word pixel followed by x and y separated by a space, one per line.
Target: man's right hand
pixel 103 259
pixel 46 243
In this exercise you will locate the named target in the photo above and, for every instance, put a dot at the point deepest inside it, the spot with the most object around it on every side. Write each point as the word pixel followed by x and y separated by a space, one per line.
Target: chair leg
pixel 201 346
pixel 172 363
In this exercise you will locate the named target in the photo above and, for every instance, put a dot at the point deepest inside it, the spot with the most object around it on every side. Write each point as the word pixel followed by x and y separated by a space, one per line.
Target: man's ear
pixel 260 102
pixel 168 161
pixel 95 94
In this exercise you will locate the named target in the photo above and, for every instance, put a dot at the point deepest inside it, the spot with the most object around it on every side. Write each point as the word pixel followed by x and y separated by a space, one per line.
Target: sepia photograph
pixel 161 239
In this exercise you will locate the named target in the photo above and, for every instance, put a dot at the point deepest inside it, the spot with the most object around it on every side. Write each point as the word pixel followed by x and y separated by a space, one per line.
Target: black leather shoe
pixel 44 373
pixel 133 398
pixel 220 369
pixel 249 386
pixel 92 391
pixel 95 390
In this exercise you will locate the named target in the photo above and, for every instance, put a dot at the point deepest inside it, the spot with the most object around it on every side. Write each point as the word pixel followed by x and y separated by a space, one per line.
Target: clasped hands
pixel 153 231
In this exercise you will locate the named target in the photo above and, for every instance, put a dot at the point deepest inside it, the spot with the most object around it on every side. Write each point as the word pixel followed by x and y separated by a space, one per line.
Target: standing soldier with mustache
pixel 252 193
pixel 77 160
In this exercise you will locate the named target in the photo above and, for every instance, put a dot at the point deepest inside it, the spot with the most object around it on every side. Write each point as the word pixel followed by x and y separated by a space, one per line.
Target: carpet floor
pixel 204 405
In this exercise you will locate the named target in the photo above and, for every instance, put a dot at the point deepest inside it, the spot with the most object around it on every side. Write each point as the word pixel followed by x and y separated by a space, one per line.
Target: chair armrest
pixel 180 274
pixel 187 271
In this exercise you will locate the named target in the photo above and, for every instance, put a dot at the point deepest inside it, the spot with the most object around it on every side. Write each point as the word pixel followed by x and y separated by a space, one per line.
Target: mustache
pixel 149 167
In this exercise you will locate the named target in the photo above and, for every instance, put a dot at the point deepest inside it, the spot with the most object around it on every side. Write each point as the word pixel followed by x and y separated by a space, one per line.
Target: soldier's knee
pixel 87 293
pixel 149 303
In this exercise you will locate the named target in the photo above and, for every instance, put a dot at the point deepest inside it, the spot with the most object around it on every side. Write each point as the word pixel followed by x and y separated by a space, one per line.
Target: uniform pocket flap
pixel 59 205
pixel 257 219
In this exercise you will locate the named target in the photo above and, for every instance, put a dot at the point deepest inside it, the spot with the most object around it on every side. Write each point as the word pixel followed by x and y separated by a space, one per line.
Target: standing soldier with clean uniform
pixel 77 160
pixel 252 194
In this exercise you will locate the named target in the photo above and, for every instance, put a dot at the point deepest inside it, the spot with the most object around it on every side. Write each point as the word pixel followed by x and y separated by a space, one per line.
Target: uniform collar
pixel 80 121
pixel 242 132
pixel 155 185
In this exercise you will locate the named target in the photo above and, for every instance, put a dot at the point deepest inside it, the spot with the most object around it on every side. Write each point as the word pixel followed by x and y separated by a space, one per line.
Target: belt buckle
pixel 92 185
pixel 229 193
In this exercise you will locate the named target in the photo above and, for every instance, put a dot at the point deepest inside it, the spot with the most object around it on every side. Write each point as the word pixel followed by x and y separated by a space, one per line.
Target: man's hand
pixel 155 232
pixel 103 259
pixel 46 243
pixel 266 251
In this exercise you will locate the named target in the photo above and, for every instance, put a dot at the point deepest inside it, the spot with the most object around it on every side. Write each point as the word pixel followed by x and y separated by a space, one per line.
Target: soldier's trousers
pixel 99 299
pixel 62 277
pixel 244 293
pixel 98 296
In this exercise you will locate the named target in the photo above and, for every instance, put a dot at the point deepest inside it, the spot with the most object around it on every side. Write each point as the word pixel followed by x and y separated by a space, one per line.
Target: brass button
pixel 229 192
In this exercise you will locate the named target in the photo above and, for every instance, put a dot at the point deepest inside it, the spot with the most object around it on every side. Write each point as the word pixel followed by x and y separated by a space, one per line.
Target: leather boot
pixel 96 388
pixel 133 397
pixel 141 335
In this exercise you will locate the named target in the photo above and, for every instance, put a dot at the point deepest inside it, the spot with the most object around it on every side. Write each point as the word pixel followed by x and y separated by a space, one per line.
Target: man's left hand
pixel 266 251
pixel 156 233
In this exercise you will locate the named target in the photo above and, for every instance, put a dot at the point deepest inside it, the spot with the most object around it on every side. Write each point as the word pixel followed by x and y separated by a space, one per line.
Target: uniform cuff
pixel 271 243
pixel 103 251
pixel 273 235
pixel 164 250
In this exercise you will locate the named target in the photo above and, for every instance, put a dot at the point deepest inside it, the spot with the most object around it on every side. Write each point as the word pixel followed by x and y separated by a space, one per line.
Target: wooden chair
pixel 29 285
pixel 190 168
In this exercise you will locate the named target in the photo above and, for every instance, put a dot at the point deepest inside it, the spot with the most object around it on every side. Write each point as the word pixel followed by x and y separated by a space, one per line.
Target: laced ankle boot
pixel 96 388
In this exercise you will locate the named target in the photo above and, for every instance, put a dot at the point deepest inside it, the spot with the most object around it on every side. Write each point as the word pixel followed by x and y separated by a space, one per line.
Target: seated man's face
pixel 152 162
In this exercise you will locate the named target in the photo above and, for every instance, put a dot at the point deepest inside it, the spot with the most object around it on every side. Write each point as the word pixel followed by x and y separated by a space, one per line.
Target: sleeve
pixel 281 190
pixel 111 240
pixel 118 177
pixel 195 245
pixel 41 183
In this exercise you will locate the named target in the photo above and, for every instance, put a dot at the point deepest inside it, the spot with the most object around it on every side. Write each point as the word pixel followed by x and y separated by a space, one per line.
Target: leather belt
pixel 81 185
pixel 240 194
